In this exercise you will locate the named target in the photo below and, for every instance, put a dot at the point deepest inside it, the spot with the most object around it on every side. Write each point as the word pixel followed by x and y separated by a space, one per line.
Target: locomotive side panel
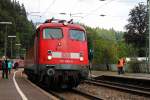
pixel 29 59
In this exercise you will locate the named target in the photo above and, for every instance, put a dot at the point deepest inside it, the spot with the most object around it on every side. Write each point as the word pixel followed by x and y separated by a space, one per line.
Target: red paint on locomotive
pixel 64 47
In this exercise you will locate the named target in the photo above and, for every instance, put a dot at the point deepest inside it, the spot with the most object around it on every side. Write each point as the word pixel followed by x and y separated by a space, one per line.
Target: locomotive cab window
pixel 52 33
pixel 77 35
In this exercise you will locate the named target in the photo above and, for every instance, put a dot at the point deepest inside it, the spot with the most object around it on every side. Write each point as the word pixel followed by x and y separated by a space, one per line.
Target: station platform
pixel 145 76
pixel 17 87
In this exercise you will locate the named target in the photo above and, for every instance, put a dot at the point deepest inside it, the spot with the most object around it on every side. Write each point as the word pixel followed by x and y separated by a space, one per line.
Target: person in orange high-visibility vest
pixel 120 65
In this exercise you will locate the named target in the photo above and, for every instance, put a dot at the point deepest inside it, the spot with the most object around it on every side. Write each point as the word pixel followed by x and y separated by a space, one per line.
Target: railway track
pixel 74 93
pixel 89 96
pixel 70 94
pixel 60 97
pixel 132 88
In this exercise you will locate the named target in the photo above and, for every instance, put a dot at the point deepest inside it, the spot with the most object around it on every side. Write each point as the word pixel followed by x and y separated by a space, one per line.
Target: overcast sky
pixel 83 11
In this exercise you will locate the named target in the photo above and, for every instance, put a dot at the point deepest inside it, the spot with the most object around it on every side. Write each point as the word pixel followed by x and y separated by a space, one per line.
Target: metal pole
pixel 18 52
pixel 148 2
pixel 18 49
pixel 5 42
pixel 11 36
pixel 70 15
pixel 5 37
pixel 11 48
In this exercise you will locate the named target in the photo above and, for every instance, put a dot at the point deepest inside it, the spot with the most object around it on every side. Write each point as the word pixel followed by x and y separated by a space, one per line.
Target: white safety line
pixel 92 75
pixel 18 89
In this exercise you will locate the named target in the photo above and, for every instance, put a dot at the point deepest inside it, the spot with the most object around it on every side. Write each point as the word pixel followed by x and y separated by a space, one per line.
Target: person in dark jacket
pixel 90 55
pixel 5 67
pixel 16 65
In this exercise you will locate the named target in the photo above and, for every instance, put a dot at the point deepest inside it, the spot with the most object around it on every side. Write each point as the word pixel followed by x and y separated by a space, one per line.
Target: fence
pixel 131 68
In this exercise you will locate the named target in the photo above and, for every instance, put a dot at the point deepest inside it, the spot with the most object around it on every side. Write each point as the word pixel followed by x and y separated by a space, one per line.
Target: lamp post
pixel 11 43
pixel 148 3
pixel 24 53
pixel 5 37
pixel 18 44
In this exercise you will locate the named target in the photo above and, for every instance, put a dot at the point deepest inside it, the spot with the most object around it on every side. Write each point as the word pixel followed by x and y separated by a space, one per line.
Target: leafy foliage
pixel 137 28
pixel 108 45
pixel 21 27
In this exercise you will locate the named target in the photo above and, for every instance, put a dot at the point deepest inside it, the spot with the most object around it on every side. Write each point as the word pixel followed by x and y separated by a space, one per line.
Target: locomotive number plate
pixel 66 55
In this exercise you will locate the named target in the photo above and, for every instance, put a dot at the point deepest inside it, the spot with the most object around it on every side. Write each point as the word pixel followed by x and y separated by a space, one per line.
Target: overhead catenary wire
pixel 98 8
pixel 53 2
pixel 27 6
pixel 130 1
pixel 75 5
pixel 39 9
pixel 30 11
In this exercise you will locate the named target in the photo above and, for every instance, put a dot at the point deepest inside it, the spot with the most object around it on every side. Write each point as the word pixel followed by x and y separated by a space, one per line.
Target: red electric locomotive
pixel 59 57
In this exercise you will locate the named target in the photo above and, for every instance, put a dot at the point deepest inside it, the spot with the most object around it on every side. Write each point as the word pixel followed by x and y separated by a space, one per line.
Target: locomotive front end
pixel 61 54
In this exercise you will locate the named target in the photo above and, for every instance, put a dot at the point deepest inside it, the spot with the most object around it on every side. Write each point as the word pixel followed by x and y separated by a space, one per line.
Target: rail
pixel 121 86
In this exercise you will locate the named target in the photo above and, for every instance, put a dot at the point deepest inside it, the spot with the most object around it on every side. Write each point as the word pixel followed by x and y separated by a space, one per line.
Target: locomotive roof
pixel 76 26
pixel 60 23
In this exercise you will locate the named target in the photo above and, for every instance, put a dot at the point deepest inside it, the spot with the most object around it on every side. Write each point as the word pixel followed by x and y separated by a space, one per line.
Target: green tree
pixel 137 28
pixel 108 45
pixel 21 26
pixel 104 51
pixel 125 50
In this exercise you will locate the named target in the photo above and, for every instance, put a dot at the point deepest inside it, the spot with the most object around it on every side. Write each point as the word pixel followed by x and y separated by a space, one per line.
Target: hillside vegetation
pixel 21 27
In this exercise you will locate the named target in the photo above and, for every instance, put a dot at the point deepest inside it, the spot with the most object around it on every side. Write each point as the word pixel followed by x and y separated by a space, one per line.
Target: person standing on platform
pixel 120 65
pixel 5 67
pixel 90 55
pixel 16 65
pixel 9 66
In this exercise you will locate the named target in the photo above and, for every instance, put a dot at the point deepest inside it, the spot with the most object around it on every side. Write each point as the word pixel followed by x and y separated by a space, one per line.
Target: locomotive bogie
pixel 59 76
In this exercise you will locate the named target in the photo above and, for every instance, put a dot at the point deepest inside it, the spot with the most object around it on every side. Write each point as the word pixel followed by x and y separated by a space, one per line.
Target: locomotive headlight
pixel 81 58
pixel 49 57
